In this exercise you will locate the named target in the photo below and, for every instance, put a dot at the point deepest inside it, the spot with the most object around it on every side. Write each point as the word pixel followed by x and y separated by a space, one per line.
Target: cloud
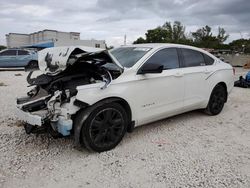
pixel 112 19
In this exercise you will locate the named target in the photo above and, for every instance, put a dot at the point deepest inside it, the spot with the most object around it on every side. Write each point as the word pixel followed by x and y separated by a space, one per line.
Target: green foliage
pixel 175 33
pixel 202 34
pixel 241 45
pixel 157 35
pixel 222 36
pixel 204 37
pixel 140 40
pixel 168 33
pixel 2 47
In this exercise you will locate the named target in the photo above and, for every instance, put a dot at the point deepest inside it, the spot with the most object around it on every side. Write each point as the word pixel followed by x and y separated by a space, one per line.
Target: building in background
pixel 50 38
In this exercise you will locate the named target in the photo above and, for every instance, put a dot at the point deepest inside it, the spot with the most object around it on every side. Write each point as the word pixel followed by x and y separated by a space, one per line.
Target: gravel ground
pixel 189 150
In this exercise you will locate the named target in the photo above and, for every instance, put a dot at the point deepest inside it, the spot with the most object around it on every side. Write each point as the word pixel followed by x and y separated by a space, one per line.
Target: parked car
pixel 99 95
pixel 18 58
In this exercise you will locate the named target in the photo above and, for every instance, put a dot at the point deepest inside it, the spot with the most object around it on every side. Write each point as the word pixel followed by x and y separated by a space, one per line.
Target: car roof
pixel 29 50
pixel 16 49
pixel 161 45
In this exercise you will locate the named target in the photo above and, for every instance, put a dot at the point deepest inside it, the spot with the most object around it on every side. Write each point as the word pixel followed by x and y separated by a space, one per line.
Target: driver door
pixel 160 94
pixel 8 58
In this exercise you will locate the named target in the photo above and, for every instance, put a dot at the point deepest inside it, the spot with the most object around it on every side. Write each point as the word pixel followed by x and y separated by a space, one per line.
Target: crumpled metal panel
pixel 54 60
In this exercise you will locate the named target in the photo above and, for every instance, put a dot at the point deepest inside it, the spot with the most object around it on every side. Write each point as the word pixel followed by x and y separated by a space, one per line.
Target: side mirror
pixel 150 68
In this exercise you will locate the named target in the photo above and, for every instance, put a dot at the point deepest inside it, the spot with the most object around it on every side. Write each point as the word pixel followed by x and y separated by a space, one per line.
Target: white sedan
pixel 98 95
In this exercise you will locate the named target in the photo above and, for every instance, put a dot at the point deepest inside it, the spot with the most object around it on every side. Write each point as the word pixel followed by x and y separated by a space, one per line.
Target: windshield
pixel 128 56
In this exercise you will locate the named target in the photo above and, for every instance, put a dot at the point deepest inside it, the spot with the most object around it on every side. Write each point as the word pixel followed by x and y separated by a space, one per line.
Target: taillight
pixel 234 71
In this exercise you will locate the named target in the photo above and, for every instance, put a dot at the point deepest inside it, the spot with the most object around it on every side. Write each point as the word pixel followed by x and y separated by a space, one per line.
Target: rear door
pixel 23 57
pixel 195 74
pixel 160 95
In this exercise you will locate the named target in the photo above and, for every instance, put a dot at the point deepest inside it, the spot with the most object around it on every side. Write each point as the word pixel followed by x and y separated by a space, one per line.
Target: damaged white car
pixel 98 95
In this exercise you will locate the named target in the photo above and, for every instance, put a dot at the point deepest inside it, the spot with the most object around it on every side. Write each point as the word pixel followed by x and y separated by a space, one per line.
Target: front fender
pixel 93 93
pixel 82 116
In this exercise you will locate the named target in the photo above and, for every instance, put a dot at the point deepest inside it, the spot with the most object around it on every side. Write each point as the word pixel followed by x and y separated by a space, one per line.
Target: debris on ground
pixel 18 74
pixel 243 82
pixel 247 65
pixel 2 84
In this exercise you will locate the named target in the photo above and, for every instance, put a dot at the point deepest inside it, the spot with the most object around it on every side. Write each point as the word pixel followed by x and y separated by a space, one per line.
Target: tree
pixel 2 47
pixel 204 38
pixel 240 45
pixel 222 36
pixel 175 32
pixel 167 33
pixel 202 34
pixel 140 40
pixel 157 35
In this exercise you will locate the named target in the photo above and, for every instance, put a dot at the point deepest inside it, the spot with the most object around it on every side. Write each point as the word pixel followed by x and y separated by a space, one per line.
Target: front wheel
pixel 32 65
pixel 105 127
pixel 217 100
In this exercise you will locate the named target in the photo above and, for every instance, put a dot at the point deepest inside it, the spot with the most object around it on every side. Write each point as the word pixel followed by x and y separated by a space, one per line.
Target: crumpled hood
pixel 55 60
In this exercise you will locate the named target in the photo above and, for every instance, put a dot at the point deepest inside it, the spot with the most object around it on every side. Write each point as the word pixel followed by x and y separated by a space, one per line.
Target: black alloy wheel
pixel 105 127
pixel 217 100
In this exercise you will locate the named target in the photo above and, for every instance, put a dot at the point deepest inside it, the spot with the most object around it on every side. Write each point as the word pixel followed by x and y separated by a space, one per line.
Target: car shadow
pixel 184 116
pixel 35 143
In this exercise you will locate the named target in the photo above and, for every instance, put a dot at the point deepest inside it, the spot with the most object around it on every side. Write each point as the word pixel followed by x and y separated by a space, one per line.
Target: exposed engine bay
pixel 51 103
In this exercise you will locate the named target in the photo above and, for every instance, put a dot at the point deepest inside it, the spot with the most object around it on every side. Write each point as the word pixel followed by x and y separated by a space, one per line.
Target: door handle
pixel 178 74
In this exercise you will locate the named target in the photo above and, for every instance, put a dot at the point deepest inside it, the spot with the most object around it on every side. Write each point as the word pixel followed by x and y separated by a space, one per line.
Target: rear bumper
pixel 29 118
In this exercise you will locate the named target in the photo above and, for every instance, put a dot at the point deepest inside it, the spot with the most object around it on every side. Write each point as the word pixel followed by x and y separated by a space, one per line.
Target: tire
pixel 100 132
pixel 217 100
pixel 32 65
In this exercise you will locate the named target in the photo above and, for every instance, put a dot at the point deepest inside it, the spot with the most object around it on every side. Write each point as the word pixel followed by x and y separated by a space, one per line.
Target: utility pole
pixel 125 39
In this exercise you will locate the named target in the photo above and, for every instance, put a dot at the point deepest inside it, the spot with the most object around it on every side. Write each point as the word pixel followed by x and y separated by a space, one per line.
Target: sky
pixel 110 20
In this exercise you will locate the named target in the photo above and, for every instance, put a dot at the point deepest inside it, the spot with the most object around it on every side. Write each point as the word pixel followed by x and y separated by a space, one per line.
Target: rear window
pixel 193 58
pixel 23 52
pixel 208 60
pixel 128 56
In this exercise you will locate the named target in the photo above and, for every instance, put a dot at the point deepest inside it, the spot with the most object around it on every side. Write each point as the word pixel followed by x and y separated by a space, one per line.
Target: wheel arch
pixel 85 112
pixel 224 85
pixel 120 101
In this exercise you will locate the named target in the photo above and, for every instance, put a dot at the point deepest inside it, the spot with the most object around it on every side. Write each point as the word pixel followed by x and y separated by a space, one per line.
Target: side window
pixel 8 53
pixel 208 60
pixel 167 57
pixel 23 52
pixel 193 58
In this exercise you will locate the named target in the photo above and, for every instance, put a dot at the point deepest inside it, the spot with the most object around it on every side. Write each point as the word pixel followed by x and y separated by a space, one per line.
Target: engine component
pixel 63 125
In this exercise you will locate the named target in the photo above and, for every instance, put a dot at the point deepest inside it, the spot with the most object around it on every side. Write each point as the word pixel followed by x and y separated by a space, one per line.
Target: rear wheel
pixel 104 128
pixel 217 100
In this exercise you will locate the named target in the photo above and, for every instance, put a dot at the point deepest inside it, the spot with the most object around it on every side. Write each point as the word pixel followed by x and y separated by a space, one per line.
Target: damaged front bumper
pixel 29 118
pixel 52 114
pixel 30 113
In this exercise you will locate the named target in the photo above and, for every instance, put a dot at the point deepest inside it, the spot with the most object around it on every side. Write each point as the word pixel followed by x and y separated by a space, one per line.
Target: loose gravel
pixel 188 150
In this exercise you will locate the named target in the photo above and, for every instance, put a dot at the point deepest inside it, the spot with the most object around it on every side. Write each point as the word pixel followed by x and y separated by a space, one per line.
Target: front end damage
pixel 51 104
